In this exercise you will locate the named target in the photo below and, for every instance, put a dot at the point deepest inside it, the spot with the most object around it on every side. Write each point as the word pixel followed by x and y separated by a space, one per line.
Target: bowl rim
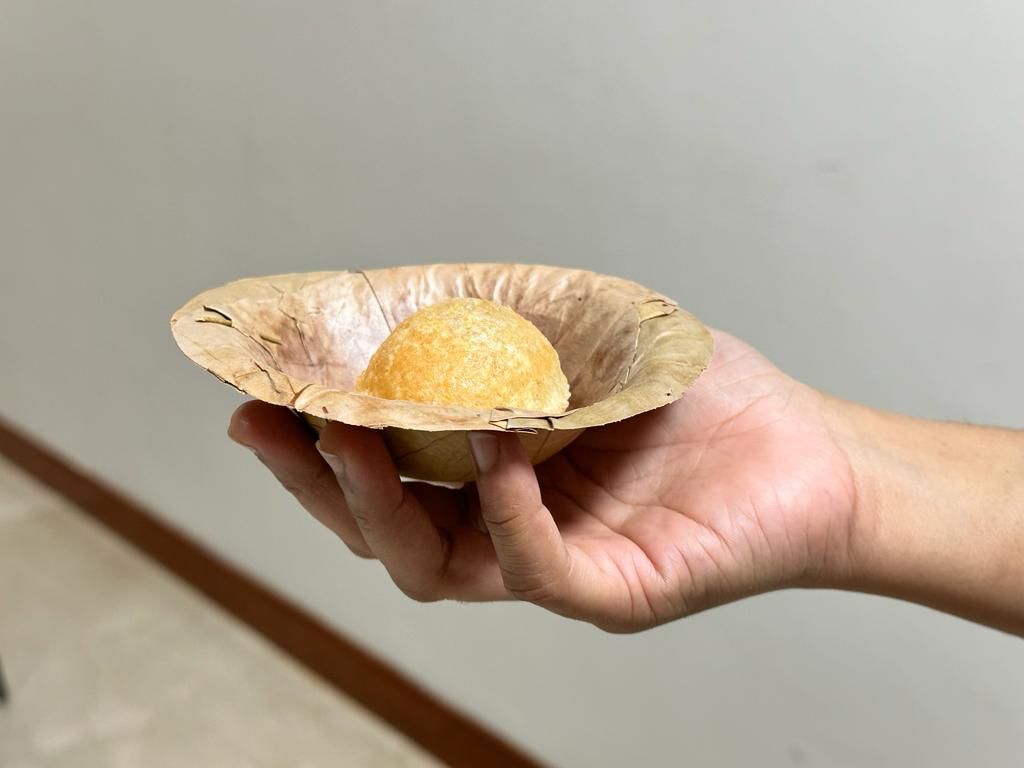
pixel 672 349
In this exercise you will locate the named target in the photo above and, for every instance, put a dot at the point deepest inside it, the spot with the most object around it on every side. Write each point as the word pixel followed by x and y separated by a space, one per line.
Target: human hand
pixel 738 488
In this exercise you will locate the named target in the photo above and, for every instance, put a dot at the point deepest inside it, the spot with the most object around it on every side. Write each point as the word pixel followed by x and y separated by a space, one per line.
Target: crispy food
pixel 471 353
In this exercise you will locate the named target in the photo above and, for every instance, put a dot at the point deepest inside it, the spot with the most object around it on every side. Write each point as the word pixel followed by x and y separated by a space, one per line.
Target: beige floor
pixel 111 662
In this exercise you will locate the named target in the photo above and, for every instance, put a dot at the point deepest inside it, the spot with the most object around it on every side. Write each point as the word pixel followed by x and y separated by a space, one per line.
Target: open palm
pixel 738 488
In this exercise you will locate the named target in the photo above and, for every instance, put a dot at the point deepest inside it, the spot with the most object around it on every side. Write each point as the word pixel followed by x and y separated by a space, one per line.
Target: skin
pixel 752 482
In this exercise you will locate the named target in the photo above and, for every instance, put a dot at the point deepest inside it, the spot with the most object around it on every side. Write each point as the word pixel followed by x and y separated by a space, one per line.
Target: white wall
pixel 840 183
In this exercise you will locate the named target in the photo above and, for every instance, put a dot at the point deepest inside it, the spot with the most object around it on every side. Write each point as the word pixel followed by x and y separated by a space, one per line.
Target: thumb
pixel 533 558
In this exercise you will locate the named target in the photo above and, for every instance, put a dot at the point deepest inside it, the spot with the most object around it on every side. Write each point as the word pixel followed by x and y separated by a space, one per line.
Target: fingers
pixel 534 562
pixel 287 449
pixel 425 562
pixel 348 482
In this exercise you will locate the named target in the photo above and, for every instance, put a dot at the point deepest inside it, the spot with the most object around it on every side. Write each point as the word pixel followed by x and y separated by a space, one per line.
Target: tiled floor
pixel 111 662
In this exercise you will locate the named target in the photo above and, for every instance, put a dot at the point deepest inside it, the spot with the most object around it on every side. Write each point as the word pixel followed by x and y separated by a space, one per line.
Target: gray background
pixel 841 184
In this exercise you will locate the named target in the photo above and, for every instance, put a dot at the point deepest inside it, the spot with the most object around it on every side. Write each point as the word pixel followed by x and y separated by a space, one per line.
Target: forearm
pixel 940 514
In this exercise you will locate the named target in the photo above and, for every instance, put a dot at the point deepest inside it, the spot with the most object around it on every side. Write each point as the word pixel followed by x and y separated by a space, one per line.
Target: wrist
pixel 939 513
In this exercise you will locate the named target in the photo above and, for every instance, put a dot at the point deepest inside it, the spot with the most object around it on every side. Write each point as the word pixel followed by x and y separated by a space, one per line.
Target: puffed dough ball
pixel 468 352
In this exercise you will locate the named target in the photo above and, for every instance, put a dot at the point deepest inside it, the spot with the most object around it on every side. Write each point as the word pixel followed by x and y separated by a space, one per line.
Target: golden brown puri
pixel 471 353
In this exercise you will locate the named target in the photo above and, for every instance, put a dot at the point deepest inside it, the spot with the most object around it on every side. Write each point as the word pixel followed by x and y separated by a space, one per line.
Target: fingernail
pixel 483 446
pixel 334 462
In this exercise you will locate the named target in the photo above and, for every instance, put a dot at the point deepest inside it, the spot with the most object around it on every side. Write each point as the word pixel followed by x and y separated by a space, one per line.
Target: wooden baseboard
pixel 449 735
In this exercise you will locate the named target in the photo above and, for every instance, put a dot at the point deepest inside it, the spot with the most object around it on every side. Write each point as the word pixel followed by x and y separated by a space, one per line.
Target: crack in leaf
pixel 666 309
pixel 214 320
pixel 298 330
pixel 265 372
pixel 222 318
pixel 376 298
pixel 303 388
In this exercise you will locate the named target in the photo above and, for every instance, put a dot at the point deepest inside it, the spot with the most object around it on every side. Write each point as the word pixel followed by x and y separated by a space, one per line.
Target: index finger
pixel 425 561
pixel 533 558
